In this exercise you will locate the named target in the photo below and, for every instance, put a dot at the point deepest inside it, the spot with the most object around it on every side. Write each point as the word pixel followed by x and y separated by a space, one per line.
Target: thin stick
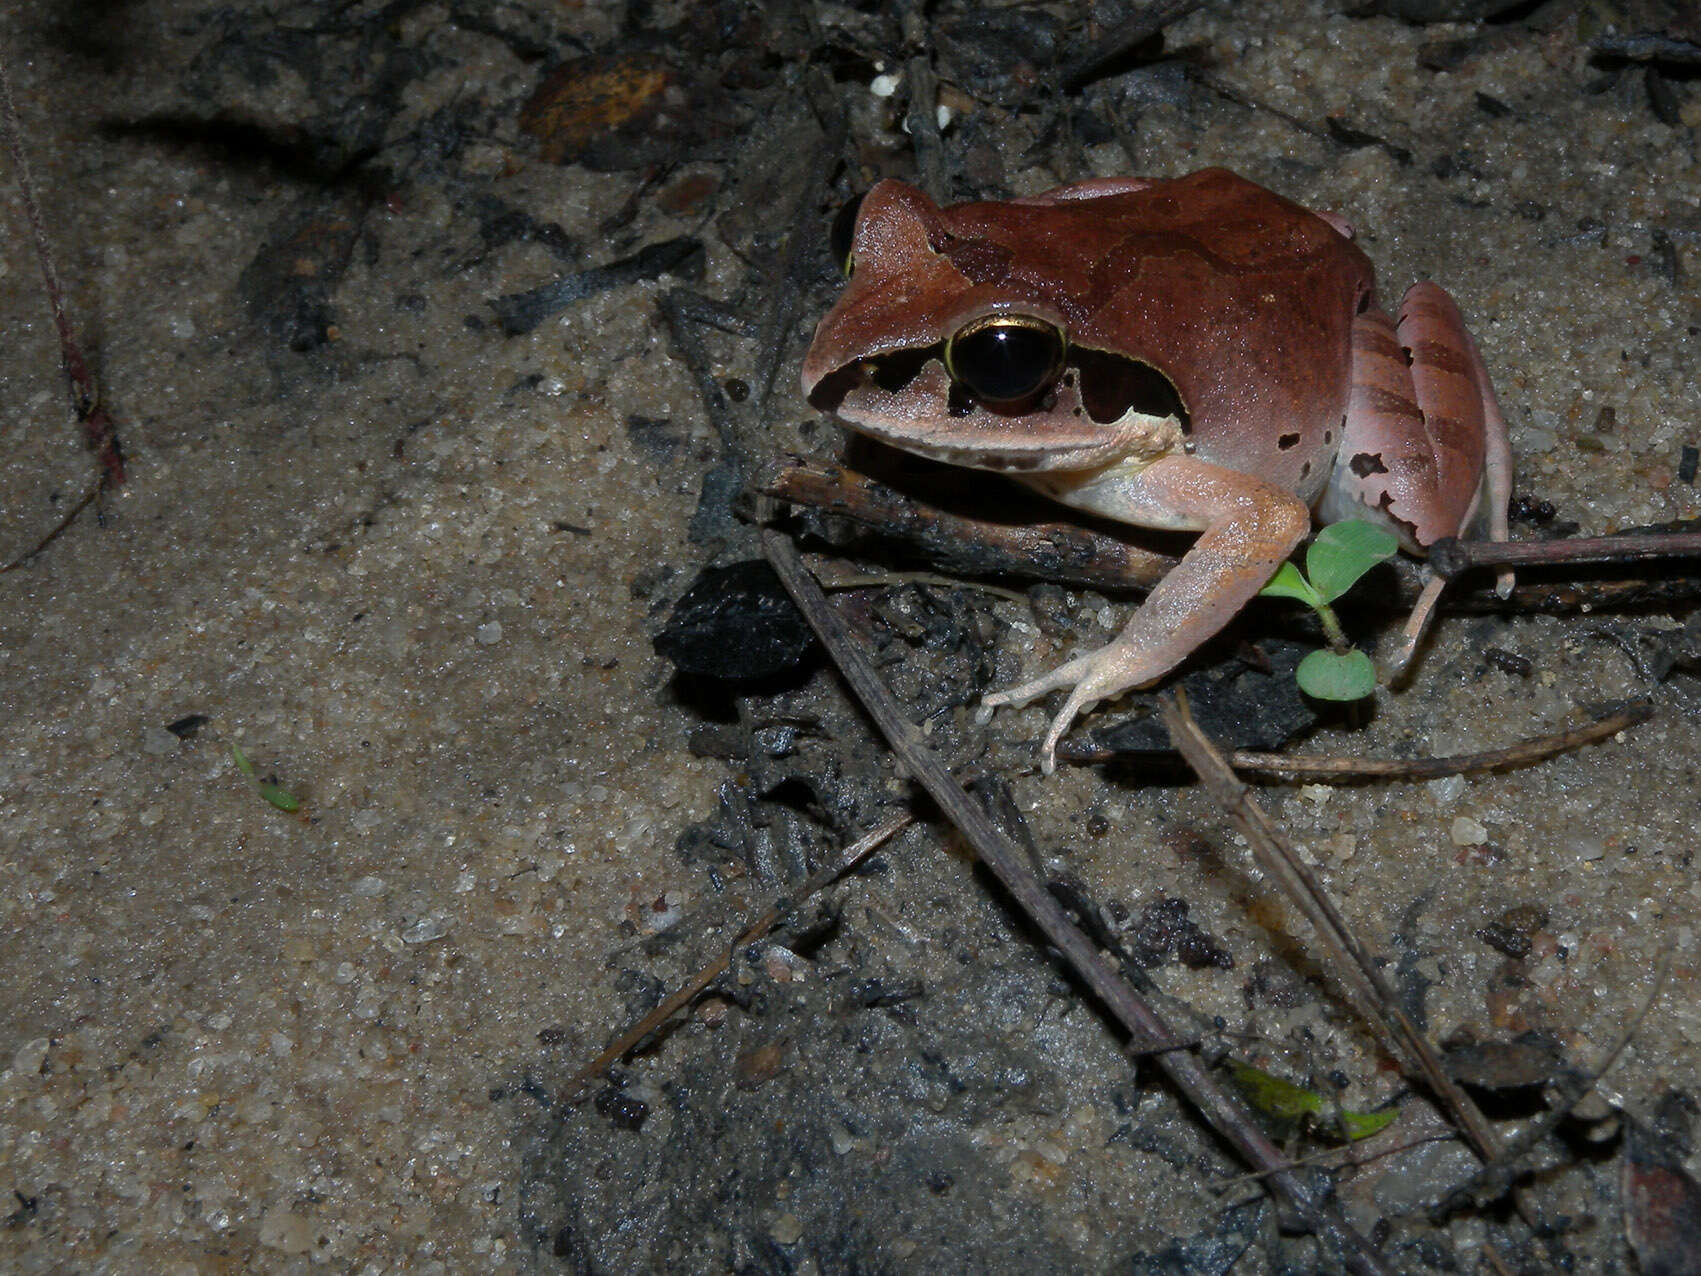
pixel 1148 1031
pixel 750 934
pixel 99 433
pixel 53 533
pixel 1536 749
pixel 922 118
pixel 1063 553
pixel 1451 556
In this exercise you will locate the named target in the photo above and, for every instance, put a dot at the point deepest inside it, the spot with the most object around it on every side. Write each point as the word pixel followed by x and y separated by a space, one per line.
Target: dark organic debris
pixel 520 312
pixel 1165 929
pixel 624 111
pixel 1217 1252
pixel 1240 704
pixel 185 727
pixel 735 622
pixel 288 285
pixel 1531 1060
pixel 624 1112
pixel 1662 1201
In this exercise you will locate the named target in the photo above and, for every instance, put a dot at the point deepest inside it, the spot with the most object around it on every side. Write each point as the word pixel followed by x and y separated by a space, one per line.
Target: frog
pixel 1192 354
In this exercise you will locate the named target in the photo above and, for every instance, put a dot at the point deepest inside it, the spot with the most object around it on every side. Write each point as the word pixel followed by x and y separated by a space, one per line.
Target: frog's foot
pixel 1096 676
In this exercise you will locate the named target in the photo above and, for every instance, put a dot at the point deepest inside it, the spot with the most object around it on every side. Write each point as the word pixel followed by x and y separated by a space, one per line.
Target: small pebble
pixel 286 1232
pixel 1446 791
pixel 1467 832
pixel 28 1058
pixel 425 930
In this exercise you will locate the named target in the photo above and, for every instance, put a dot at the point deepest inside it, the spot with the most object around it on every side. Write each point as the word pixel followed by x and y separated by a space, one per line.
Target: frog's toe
pixel 1065 675
pixel 1081 699
pixel 1086 685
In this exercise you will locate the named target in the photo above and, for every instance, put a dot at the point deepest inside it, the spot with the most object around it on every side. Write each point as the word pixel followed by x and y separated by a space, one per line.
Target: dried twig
pixel 1538 748
pixel 1352 958
pixel 1067 553
pixel 53 533
pixel 99 433
pixel 782 906
pixel 1149 1032
pixel 1074 554
pixel 922 119
pixel 1451 556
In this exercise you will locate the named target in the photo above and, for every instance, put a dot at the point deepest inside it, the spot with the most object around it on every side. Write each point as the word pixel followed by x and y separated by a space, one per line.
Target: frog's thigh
pixel 1421 422
pixel 1247 527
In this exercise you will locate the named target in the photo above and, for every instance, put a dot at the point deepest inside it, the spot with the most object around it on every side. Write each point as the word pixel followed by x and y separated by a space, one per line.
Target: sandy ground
pixel 413 573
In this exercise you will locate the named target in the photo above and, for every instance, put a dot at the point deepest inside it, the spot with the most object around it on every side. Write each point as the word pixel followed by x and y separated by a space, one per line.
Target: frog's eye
pixel 842 237
pixel 1004 359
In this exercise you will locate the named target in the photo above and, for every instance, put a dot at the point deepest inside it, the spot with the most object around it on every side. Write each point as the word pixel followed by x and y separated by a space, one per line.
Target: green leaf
pixel 279 796
pixel 1342 552
pixel 1330 675
pixel 1275 1096
pixel 1293 1105
pixel 1288 583
pixel 272 791
pixel 1361 1125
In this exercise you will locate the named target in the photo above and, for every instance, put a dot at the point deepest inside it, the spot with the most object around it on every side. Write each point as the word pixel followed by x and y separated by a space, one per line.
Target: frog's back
pixel 1242 299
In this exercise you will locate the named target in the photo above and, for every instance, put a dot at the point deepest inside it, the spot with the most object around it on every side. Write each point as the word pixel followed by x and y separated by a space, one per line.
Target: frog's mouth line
pixel 1099 408
pixel 1106 386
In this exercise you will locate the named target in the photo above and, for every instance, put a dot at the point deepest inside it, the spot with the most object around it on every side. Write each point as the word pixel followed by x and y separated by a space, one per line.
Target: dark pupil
pixel 1005 362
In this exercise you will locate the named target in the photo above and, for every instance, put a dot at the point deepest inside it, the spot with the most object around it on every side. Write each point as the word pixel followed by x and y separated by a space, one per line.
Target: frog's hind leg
pixel 1424 438
pixel 1247 529
pixel 1424 443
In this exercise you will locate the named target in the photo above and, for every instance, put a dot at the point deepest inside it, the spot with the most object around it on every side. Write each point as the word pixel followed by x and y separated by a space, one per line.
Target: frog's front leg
pixel 1248 528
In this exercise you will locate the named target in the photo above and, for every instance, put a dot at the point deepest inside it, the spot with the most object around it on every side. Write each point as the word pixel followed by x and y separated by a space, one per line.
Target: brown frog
pixel 1197 354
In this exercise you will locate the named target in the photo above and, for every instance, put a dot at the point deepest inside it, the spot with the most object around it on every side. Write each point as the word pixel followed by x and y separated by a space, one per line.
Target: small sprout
pixel 1342 552
pixel 271 790
pixel 1338 556
pixel 1293 1106
pixel 1337 675
pixel 1288 583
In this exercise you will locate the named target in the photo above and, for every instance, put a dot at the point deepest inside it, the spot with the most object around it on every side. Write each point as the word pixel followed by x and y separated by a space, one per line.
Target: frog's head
pixel 953 340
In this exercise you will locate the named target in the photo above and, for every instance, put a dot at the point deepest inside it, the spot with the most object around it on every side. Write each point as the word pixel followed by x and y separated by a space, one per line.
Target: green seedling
pixel 1337 557
pixel 1291 1108
pixel 271 790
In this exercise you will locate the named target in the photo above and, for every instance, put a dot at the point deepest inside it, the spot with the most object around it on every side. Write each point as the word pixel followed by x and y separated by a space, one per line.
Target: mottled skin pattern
pixel 1281 384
